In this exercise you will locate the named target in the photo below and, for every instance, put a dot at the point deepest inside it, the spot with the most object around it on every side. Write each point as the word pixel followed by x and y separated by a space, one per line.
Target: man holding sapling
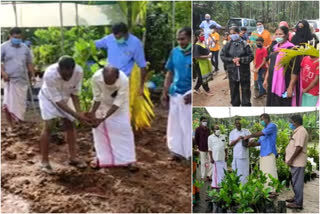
pixel 217 147
pixel 296 158
pixel 240 151
pixel 268 150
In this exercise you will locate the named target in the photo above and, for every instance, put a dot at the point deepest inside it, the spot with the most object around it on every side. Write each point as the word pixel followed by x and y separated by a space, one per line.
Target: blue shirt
pixel 206 27
pixel 123 56
pixel 268 141
pixel 179 63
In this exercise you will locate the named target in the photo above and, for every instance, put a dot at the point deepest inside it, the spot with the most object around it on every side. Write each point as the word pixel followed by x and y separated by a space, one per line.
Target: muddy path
pixel 159 186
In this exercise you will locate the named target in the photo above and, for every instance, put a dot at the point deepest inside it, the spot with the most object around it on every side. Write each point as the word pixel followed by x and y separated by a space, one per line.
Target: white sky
pixel 224 112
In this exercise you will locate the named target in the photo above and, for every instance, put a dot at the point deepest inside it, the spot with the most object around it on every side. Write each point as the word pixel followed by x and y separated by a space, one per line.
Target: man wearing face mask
pixel 261 32
pixel 201 139
pixel 16 67
pixel 268 150
pixel 213 43
pixel 177 93
pixel 240 160
pixel 205 25
pixel 237 55
pixel 296 158
pixel 113 135
pixel 61 84
pixel 217 146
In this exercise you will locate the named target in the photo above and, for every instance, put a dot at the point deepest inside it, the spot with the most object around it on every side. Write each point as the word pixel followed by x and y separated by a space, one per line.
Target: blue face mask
pixel 291 126
pixel 263 123
pixel 187 48
pixel 16 41
pixel 234 37
pixel 121 40
pixel 279 40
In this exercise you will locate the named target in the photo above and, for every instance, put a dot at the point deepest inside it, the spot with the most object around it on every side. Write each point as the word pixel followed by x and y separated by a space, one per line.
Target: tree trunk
pixel 240 8
pixel 263 18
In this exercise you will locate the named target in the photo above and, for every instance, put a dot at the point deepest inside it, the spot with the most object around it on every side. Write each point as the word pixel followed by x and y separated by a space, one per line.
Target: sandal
pixel 78 164
pixel 46 168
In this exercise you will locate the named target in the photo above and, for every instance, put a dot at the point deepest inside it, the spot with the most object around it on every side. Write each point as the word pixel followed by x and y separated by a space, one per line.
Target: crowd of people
pixel 109 116
pixel 258 53
pixel 213 146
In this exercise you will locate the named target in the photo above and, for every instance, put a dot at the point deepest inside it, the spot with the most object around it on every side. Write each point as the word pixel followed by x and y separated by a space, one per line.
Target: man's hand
pixel 141 91
pixel 290 162
pixel 81 116
pixel 187 99
pixel 246 137
pixel 164 99
pixel 212 161
pixel 5 77
pixel 97 122
pixel 240 138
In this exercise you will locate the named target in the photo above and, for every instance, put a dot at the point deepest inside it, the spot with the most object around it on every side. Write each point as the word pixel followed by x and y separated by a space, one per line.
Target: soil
pixel 159 185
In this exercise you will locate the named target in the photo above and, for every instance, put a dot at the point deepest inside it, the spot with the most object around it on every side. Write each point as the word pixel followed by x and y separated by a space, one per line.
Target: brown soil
pixel 159 185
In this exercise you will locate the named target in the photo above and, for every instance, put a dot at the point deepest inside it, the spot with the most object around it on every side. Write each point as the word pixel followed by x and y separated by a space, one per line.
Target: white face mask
pixel 204 123
pixel 217 132
pixel 212 30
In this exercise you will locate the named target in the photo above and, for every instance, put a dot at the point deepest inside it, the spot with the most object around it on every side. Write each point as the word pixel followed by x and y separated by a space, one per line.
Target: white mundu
pixel 54 89
pixel 113 138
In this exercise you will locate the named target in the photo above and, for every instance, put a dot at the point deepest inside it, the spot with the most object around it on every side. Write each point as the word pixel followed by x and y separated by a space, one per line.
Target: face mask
pixel 16 41
pixel 204 123
pixel 186 48
pixel 263 123
pixel 212 30
pixel 217 132
pixel 259 46
pixel 260 28
pixel 279 40
pixel 234 37
pixel 291 126
pixel 121 40
pixel 201 38
pixel 207 19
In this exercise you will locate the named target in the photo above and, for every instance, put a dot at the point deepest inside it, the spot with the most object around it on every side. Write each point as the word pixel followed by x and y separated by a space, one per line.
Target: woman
pixel 237 56
pixel 203 67
pixel 283 86
pixel 284 23
pixel 303 33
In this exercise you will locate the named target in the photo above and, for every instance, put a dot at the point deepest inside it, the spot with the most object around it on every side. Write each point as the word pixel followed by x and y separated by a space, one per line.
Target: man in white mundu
pixel 240 151
pixel 61 84
pixel 217 147
pixel 113 135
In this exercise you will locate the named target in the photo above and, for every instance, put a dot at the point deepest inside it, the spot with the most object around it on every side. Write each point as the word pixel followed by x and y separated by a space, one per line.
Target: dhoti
pixel 15 100
pixel 268 166
pixel 114 141
pixel 218 173
pixel 242 166
pixel 179 128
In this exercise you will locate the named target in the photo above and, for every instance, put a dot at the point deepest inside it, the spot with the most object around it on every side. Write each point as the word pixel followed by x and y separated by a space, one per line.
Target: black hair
pixel 243 29
pixel 187 30
pixel 196 34
pixel 213 26
pixel 235 28
pixel 260 39
pixel 66 62
pixel 265 116
pixel 297 119
pixel 119 28
pixel 15 30
pixel 284 29
pixel 238 118
pixel 260 21
pixel 202 118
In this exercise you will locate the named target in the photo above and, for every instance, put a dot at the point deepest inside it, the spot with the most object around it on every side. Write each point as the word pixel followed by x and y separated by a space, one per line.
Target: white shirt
pixel 239 151
pixel 56 89
pixel 217 146
pixel 106 93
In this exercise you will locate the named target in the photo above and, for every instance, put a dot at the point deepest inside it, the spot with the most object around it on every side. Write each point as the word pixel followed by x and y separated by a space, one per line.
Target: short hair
pixel 197 33
pixel 235 28
pixel 15 30
pixel 213 26
pixel 202 118
pixel 187 30
pixel 260 21
pixel 297 119
pixel 243 29
pixel 238 118
pixel 66 62
pixel 284 29
pixel 119 28
pixel 265 116
pixel 260 39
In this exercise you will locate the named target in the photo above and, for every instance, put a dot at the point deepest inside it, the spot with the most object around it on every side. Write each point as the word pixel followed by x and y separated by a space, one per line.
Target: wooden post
pixel 61 27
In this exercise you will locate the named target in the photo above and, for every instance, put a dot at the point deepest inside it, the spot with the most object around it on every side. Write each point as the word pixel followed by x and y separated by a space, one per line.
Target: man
pixel 218 155
pixel 296 158
pixel 268 150
pixel 16 67
pixel 261 32
pixel 113 135
pixel 61 81
pixel 125 49
pixel 213 42
pixel 240 151
pixel 177 86
pixel 205 25
pixel 201 139
pixel 243 34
